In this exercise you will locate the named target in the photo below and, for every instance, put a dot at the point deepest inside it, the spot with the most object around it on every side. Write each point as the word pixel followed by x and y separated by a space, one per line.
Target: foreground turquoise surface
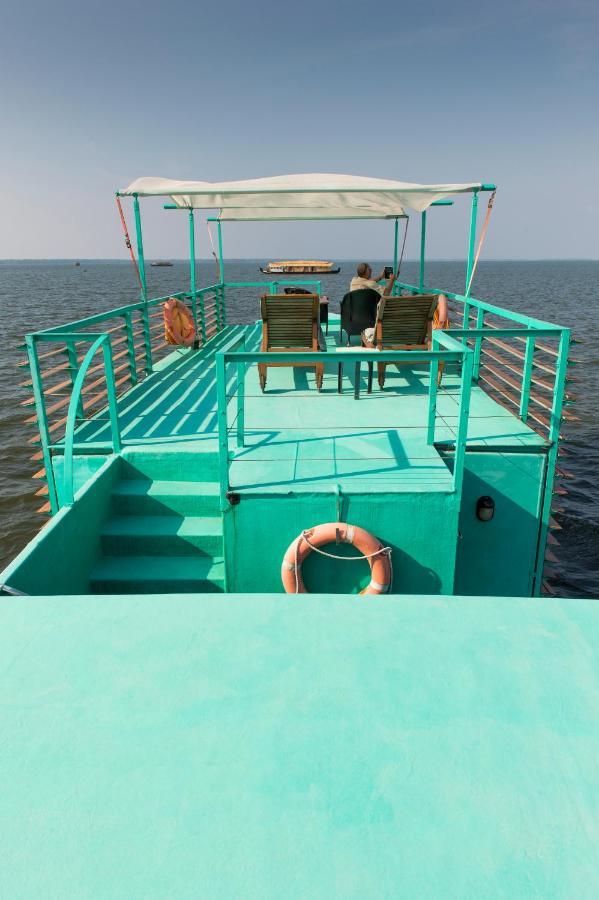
pixel 278 746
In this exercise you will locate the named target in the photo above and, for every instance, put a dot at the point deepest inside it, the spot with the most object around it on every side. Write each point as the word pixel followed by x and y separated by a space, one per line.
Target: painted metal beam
pixel 422 249
pixel 471 239
pixel 140 248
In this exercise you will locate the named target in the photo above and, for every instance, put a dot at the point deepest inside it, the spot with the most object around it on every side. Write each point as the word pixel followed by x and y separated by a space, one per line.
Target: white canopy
pixel 354 195
pixel 288 213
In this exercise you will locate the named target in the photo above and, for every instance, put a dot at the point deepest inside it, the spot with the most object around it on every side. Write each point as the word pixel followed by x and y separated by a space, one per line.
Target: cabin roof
pixel 327 192
pixel 251 745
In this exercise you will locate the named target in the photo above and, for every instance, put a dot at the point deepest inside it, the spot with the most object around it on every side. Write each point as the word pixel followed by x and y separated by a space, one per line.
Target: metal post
pixel 223 305
pixel 42 418
pixel 221 266
pixel 432 393
pixel 130 347
pixel 241 401
pixel 527 376
pixel 112 404
pixel 73 367
pixel 192 269
pixel 145 323
pixel 480 323
pixel 140 249
pixel 464 413
pixel 223 440
pixel 559 387
pixel 395 235
pixel 422 248
pixel 472 239
pixel 144 289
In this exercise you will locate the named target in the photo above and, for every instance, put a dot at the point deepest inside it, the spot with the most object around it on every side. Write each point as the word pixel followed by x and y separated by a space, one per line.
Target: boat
pixel 300 267
pixel 161 263
pixel 174 722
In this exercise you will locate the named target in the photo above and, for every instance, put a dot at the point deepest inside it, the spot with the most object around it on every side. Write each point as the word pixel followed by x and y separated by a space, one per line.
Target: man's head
pixel 364 270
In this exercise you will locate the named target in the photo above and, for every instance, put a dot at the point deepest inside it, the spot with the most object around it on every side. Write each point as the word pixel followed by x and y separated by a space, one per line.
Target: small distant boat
pixel 77 263
pixel 162 262
pixel 300 267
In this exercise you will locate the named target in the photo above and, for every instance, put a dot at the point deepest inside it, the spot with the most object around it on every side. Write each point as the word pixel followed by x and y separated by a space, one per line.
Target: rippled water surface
pixel 37 295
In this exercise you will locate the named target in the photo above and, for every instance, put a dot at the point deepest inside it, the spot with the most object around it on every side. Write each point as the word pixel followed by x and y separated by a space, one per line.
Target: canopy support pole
pixel 472 240
pixel 220 253
pixel 144 289
pixel 422 248
pixel 140 249
pixel 395 234
pixel 192 275
pixel 221 269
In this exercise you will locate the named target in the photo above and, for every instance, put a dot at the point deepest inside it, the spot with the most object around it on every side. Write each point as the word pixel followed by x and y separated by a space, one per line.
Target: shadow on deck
pixel 299 439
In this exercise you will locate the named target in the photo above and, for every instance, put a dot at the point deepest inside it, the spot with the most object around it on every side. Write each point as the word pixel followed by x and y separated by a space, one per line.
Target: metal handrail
pixel 467 302
pixel 455 351
pixel 102 340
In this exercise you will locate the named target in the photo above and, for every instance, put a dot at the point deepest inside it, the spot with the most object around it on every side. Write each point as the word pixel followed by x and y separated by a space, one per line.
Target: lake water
pixel 36 295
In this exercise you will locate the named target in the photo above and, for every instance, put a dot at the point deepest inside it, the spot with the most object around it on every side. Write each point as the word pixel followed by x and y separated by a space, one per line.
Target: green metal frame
pixel 471 239
pixel 422 248
pixel 453 352
pixel 102 341
pixel 395 243
pixel 140 248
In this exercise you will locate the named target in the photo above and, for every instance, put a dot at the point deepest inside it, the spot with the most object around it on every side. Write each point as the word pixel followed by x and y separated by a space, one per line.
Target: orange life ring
pixel 378 556
pixel 178 323
pixel 441 317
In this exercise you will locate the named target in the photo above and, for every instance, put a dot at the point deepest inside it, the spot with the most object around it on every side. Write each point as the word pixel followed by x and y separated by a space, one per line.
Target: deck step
pixel 171 465
pixel 141 496
pixel 163 535
pixel 157 575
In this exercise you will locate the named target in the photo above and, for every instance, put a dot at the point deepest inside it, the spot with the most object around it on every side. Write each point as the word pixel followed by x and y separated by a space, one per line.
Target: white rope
pixel 213 251
pixel 378 552
pixel 344 558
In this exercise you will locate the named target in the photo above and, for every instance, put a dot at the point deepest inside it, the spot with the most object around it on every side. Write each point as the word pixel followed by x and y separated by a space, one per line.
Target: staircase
pixel 165 534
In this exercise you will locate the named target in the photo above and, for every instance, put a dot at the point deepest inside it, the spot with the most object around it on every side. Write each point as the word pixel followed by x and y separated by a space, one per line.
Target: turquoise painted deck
pixel 299 439
pixel 155 521
pixel 315 747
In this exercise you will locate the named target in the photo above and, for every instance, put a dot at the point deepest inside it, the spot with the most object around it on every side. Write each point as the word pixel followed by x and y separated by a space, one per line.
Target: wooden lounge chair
pixel 290 322
pixel 402 323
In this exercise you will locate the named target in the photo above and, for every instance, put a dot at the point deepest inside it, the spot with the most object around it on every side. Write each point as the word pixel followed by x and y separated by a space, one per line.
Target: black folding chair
pixel 358 311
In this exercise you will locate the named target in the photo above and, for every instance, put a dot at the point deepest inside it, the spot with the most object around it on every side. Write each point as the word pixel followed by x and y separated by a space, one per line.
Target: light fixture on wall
pixel 485 509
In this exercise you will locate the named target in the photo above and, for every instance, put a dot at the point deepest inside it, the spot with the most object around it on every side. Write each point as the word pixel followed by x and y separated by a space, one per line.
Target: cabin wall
pixel 259 530
pixel 59 559
pixel 499 557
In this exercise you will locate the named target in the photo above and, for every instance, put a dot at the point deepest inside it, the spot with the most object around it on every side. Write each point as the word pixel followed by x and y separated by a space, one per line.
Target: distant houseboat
pixel 162 262
pixel 300 267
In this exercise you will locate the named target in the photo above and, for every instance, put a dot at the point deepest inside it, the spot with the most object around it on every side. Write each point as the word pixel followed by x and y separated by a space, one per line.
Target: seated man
pixel 364 279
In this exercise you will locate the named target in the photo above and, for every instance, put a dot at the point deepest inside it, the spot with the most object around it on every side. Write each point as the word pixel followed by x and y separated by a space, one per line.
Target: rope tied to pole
pixel 403 246
pixel 213 251
pixel 128 241
pixel 481 240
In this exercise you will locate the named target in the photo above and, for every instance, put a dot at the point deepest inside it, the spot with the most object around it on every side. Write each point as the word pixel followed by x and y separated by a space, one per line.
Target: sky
pixel 93 95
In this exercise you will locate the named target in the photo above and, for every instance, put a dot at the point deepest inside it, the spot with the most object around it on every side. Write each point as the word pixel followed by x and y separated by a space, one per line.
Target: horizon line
pixel 184 259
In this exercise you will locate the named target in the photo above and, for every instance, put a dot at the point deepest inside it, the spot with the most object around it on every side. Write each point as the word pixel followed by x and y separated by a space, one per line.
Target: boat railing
pixel 54 359
pixel 136 332
pixel 75 412
pixel 523 367
pixel 103 342
pixel 447 348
